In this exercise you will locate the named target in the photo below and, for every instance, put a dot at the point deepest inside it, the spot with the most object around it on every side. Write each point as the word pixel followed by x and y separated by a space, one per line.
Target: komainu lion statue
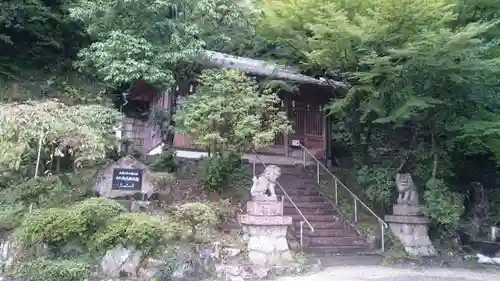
pixel 265 183
pixel 407 189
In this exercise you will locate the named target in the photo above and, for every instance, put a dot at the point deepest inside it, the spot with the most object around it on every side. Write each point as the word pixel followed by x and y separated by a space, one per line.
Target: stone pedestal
pixel 266 228
pixel 410 226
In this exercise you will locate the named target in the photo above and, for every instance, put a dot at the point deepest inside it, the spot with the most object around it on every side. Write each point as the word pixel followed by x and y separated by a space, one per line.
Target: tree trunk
pixel 168 138
pixel 436 156
pixel 366 144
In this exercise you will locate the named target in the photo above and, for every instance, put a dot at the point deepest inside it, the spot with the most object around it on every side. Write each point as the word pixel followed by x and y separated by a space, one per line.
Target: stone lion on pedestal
pixel 407 189
pixel 264 185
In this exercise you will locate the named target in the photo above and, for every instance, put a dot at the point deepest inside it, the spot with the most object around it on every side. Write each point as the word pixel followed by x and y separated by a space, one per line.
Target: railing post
pixel 317 172
pixel 382 237
pixel 304 156
pixel 355 210
pixel 336 193
pixel 254 160
pixel 301 234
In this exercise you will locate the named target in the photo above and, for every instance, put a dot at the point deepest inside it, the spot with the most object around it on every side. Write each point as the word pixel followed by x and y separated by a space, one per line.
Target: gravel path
pixel 381 273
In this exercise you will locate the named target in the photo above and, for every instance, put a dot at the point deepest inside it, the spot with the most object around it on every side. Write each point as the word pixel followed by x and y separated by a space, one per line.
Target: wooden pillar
pixel 325 132
pixel 286 103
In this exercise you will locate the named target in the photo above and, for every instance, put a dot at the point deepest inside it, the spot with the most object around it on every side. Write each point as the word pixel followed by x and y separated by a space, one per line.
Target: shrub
pixel 50 270
pixel 378 184
pixel 48 191
pixel 57 227
pixel 95 211
pixel 443 206
pixel 218 169
pixel 143 232
pixel 165 161
pixel 11 215
pixel 196 220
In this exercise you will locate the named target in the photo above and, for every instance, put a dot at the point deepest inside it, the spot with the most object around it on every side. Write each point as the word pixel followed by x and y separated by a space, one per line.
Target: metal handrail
pixel 382 223
pixel 291 201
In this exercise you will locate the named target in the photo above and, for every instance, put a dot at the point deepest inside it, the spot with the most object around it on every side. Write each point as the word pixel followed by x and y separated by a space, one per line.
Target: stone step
pixel 296 192
pixel 331 250
pixel 288 171
pixel 335 241
pixel 291 211
pixel 301 204
pixel 305 198
pixel 329 232
pixel 316 218
pixel 296 182
pixel 320 225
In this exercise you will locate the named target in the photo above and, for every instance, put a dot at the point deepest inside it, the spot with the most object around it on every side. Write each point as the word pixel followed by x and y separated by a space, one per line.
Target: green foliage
pixel 442 205
pixel 50 270
pixel 424 78
pixel 48 191
pixel 218 169
pixel 11 215
pixel 494 206
pixel 43 192
pixel 165 161
pixel 95 225
pixel 143 232
pixel 230 113
pixel 57 227
pixel 196 220
pixel 378 184
pixel 168 268
pixel 84 131
pixel 154 40
pixel 37 34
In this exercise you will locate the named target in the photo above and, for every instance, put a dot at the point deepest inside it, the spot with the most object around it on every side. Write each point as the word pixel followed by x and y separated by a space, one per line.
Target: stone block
pixel 286 256
pixel 406 219
pixel 265 208
pixel 281 244
pixel 407 210
pixel 414 238
pixel 264 198
pixel 262 244
pixel 264 220
pixel 258 258
pixel 268 230
pixel 121 260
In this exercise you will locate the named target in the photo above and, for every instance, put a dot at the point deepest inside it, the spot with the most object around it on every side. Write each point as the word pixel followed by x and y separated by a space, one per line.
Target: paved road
pixel 381 273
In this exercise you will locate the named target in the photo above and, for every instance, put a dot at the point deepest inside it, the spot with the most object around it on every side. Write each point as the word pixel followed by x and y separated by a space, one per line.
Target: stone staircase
pixel 332 233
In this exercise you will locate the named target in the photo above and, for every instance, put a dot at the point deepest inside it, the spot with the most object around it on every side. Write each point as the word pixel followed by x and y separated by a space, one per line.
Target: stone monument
pixel 264 225
pixel 407 222
pixel 126 179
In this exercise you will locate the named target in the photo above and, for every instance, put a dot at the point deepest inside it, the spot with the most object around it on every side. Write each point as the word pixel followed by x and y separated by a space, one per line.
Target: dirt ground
pixel 391 273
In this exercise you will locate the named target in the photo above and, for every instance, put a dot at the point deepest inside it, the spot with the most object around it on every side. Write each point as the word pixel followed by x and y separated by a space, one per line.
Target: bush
pixel 57 227
pixel 196 220
pixel 378 184
pixel 443 206
pixel 143 232
pixel 11 215
pixel 96 211
pixel 48 191
pixel 218 169
pixel 50 270
pixel 165 161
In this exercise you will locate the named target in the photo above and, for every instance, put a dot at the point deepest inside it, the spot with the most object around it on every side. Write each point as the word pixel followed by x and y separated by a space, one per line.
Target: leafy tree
pixel 159 42
pixel 84 131
pixel 424 77
pixel 37 34
pixel 231 113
